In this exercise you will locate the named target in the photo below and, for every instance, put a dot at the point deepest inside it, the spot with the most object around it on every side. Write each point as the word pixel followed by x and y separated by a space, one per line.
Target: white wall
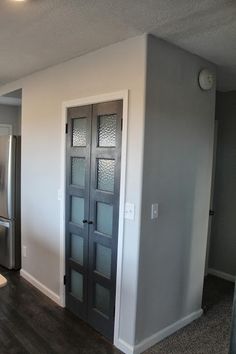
pixel 178 147
pixel 223 232
pixel 117 67
pixel 11 115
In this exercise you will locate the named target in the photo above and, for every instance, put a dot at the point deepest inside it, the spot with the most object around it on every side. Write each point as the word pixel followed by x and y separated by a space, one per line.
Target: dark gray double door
pixel 92 212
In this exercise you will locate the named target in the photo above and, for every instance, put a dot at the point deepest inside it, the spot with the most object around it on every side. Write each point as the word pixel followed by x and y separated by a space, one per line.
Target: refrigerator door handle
pixel 5 224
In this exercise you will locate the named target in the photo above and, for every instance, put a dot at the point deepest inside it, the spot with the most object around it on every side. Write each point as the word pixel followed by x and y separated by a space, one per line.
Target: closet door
pixel 104 214
pixel 92 212
pixel 77 208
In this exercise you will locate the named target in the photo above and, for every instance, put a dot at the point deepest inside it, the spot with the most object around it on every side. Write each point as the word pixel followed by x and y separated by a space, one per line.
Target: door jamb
pixel 119 95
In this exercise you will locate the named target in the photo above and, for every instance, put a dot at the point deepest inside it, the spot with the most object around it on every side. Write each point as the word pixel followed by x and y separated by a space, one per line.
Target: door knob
pixel 90 222
pixel 85 221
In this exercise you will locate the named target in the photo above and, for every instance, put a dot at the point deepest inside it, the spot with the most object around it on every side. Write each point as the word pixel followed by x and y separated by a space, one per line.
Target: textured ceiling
pixel 39 33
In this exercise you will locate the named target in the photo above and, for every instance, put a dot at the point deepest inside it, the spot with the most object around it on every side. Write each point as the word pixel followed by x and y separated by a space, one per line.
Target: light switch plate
pixel 154 211
pixel 129 211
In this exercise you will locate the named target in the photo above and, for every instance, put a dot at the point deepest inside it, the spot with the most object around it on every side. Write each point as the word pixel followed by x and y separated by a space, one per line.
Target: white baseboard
pixel 37 284
pixel 222 275
pixel 157 337
pixel 124 347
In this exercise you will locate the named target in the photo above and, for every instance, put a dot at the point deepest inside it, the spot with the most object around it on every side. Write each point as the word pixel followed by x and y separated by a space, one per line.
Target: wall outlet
pixel 154 211
pixel 24 251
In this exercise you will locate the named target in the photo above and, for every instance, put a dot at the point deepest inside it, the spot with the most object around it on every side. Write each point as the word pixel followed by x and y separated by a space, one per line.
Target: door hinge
pixel 64 279
pixel 66 128
pixel 122 124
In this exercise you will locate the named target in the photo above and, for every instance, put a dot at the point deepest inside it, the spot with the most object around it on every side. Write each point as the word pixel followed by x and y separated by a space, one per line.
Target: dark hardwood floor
pixel 30 323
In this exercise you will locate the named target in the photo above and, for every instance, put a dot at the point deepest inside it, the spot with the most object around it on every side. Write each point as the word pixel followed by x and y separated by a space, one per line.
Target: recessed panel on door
pixel 77 248
pixel 104 218
pixel 77 287
pixel 102 300
pixel 78 166
pixel 79 132
pixel 106 174
pixel 107 130
pixel 103 260
pixel 77 210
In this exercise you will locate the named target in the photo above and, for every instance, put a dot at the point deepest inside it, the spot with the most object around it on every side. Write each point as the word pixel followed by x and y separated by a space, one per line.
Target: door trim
pixel 119 95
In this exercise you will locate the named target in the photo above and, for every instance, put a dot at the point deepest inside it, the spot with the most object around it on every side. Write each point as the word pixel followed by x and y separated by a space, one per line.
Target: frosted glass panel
pixel 102 299
pixel 77 284
pixel 79 132
pixel 106 174
pixel 77 248
pixel 77 210
pixel 104 218
pixel 107 130
pixel 78 171
pixel 103 260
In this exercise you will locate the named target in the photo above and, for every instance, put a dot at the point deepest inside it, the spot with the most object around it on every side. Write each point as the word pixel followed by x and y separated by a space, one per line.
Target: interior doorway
pixel 220 258
pixel 10 180
pixel 93 160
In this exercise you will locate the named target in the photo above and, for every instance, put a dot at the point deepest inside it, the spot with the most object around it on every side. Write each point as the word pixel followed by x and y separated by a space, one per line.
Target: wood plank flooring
pixel 30 323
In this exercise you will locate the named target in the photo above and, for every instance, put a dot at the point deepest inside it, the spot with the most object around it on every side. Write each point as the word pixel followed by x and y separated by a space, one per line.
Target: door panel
pixel 93 184
pixel 77 208
pixel 104 213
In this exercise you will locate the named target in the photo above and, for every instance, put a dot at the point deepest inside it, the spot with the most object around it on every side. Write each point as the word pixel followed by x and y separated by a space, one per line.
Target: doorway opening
pixel 10 180
pixel 93 170
pixel 220 269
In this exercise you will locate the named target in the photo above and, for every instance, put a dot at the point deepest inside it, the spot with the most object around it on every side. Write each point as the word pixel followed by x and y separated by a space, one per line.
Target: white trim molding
pixel 222 275
pixel 37 284
pixel 119 95
pixel 159 336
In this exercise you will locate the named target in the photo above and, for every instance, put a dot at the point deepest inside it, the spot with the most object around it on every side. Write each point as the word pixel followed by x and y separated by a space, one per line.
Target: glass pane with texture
pixel 103 260
pixel 107 130
pixel 79 132
pixel 104 218
pixel 77 210
pixel 77 284
pixel 78 171
pixel 77 248
pixel 106 174
pixel 102 299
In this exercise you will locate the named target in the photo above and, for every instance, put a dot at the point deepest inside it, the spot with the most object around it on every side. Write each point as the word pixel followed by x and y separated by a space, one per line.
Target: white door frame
pixel 120 95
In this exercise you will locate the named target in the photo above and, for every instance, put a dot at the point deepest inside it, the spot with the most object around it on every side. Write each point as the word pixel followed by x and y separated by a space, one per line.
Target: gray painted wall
pixel 223 236
pixel 11 115
pixel 178 148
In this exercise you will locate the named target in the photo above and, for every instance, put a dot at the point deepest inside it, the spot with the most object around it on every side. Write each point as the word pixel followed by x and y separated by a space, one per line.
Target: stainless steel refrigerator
pixel 10 238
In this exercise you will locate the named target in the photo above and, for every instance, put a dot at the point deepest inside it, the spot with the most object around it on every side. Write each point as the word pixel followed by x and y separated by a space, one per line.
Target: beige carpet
pixel 3 281
pixel 210 334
